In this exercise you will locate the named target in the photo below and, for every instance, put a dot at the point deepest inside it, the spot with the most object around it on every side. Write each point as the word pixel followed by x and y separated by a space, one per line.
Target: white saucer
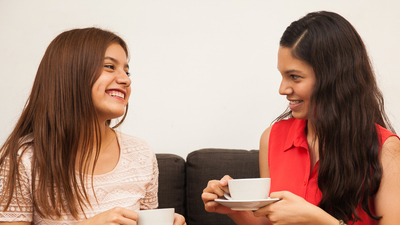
pixel 243 205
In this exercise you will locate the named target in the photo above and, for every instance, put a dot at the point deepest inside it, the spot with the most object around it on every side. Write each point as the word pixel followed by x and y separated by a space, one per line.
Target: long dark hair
pixel 346 105
pixel 58 118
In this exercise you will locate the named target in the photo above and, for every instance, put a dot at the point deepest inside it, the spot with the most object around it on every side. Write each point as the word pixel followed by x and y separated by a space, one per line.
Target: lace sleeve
pixel 21 208
pixel 150 201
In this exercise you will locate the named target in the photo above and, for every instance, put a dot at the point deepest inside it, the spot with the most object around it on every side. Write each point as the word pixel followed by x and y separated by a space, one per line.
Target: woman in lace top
pixel 63 163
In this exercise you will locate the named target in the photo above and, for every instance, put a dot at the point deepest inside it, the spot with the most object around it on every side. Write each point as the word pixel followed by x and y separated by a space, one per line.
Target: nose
pixel 285 88
pixel 123 79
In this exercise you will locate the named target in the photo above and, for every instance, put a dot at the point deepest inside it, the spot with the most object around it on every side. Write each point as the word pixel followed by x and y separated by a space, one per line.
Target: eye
pixel 295 77
pixel 109 67
pixel 128 74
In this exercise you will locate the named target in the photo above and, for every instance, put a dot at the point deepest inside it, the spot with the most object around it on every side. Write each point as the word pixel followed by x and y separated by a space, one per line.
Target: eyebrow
pixel 115 61
pixel 293 71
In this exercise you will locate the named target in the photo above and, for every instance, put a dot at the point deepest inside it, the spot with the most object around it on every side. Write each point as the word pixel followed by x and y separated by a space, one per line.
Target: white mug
pixel 249 188
pixel 156 216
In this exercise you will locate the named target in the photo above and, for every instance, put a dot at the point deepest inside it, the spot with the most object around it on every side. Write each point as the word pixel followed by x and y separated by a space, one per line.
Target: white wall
pixel 203 72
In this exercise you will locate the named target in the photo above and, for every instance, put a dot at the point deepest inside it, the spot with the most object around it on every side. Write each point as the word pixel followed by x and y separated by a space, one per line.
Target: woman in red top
pixel 330 156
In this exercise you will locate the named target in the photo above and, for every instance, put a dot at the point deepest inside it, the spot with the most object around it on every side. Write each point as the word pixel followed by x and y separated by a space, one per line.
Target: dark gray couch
pixel 181 182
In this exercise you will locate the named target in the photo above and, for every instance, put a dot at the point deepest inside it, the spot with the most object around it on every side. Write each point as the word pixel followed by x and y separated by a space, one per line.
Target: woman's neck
pixel 109 152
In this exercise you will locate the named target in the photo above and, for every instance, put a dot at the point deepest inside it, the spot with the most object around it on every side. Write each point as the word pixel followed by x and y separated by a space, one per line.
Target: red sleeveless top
pixel 289 162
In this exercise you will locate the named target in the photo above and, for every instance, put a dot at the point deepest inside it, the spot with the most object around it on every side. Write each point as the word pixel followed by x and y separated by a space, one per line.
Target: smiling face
pixel 298 81
pixel 111 91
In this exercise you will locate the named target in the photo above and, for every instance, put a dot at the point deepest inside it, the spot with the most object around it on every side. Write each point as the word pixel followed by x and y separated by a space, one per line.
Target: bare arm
pixel 387 200
pixel 263 154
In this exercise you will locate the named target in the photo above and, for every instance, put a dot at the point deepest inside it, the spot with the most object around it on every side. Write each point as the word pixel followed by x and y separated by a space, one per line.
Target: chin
pixel 119 115
pixel 115 115
pixel 299 116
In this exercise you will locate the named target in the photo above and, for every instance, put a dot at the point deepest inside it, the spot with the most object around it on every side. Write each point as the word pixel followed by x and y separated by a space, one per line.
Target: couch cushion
pixel 209 164
pixel 171 187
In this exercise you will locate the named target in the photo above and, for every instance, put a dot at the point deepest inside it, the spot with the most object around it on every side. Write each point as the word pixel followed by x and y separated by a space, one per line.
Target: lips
pixel 116 93
pixel 294 102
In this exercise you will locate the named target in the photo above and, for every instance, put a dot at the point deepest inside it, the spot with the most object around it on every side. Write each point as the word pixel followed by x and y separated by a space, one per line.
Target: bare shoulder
pixel 390 158
pixel 265 137
pixel 387 199
pixel 263 154
pixel 390 152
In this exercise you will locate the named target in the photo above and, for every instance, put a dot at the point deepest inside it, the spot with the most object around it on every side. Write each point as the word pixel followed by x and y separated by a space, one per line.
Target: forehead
pixel 286 61
pixel 116 51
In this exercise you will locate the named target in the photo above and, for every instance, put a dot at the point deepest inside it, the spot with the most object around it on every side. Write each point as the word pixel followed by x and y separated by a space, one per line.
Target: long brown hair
pixel 58 118
pixel 346 106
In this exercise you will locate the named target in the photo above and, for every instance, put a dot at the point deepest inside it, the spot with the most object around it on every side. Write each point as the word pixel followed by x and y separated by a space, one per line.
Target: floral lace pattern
pixel 132 184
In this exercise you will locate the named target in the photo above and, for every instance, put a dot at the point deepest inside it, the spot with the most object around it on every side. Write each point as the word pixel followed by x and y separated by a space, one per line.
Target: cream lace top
pixel 132 184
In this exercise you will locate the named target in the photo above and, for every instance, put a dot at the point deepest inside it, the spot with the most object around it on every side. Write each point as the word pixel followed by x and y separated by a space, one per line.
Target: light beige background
pixel 203 71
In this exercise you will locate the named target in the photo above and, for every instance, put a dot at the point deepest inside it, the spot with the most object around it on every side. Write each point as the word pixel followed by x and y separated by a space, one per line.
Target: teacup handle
pixel 228 196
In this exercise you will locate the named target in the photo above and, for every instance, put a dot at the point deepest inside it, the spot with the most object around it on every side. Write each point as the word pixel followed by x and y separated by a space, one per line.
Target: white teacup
pixel 156 216
pixel 249 188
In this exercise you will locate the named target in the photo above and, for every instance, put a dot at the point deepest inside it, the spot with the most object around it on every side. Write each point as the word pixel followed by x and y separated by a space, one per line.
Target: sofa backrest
pixel 172 182
pixel 179 178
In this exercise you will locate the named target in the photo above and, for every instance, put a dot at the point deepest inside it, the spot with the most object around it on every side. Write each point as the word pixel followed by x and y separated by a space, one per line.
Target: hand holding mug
pixel 216 189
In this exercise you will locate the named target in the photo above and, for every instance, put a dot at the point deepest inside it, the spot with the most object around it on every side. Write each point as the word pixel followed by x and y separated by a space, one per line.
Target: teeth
pixel 295 102
pixel 116 94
